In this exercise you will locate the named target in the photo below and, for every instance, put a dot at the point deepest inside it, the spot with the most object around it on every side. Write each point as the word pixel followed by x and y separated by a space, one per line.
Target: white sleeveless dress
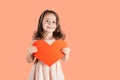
pixel 41 71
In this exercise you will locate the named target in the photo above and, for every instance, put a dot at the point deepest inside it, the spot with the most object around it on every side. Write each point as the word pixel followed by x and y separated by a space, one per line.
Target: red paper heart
pixel 49 54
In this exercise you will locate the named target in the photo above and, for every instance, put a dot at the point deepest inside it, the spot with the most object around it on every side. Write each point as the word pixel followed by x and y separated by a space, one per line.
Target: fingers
pixel 66 50
pixel 32 49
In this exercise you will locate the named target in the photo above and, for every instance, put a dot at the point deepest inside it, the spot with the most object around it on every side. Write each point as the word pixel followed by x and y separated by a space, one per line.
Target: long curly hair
pixel 57 34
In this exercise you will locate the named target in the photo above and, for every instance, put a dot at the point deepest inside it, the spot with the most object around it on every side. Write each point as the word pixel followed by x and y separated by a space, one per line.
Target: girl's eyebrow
pixel 46 18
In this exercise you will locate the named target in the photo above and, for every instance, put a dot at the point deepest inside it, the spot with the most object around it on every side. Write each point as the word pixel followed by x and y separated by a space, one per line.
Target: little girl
pixel 48 30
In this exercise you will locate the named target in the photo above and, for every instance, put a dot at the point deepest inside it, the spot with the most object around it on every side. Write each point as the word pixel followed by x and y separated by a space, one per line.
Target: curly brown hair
pixel 57 34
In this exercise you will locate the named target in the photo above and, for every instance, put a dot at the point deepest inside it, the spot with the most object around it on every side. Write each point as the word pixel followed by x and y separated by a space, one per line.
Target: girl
pixel 48 30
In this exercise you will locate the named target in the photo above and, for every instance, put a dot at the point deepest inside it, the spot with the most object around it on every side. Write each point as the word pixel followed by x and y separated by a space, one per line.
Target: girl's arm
pixel 31 50
pixel 29 58
pixel 66 51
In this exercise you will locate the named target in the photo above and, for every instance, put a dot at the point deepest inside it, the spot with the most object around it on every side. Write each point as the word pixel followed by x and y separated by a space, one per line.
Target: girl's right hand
pixel 32 49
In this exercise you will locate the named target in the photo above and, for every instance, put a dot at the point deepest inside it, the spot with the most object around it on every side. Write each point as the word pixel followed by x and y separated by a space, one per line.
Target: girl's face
pixel 49 23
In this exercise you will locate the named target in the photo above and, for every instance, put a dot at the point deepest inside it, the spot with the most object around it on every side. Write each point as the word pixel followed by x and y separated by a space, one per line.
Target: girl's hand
pixel 66 50
pixel 32 49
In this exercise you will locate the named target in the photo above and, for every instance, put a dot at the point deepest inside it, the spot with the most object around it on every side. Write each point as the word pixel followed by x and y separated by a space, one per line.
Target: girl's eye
pixel 47 21
pixel 54 22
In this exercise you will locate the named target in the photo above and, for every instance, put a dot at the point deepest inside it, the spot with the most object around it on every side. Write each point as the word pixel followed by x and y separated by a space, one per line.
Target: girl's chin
pixel 49 31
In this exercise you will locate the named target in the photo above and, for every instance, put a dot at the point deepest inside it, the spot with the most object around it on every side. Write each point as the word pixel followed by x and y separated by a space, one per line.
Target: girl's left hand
pixel 66 50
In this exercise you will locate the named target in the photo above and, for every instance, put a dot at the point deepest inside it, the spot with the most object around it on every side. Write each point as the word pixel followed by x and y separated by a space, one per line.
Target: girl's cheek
pixel 45 24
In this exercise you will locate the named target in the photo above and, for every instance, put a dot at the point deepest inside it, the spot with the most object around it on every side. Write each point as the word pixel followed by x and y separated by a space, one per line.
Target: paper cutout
pixel 49 54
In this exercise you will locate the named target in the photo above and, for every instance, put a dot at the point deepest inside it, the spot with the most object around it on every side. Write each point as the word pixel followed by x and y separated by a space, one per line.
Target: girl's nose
pixel 50 23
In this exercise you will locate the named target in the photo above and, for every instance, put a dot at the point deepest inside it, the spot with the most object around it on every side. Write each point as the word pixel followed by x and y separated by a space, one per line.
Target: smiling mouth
pixel 50 27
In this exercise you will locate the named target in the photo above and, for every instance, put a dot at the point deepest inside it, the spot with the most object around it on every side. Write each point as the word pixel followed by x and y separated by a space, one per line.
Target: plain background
pixel 92 29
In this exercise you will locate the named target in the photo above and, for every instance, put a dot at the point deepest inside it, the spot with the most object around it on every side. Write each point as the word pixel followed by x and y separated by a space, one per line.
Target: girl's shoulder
pixel 33 41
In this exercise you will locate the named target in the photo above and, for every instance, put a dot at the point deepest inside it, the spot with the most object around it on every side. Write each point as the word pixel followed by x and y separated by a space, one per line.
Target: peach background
pixel 93 34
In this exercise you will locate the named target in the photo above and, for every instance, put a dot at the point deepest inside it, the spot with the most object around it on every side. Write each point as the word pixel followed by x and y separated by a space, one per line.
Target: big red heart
pixel 49 54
